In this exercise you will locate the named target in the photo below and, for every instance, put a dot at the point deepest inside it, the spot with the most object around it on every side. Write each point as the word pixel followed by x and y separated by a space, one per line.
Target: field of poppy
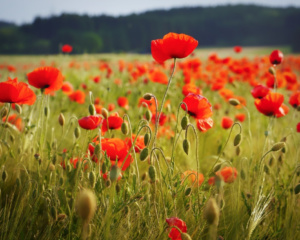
pixel 169 146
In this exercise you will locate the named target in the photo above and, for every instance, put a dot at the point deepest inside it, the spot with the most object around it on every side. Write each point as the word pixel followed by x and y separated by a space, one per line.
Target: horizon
pixel 291 3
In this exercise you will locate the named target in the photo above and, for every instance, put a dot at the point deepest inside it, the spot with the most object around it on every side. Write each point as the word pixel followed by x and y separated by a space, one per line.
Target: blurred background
pixel 91 26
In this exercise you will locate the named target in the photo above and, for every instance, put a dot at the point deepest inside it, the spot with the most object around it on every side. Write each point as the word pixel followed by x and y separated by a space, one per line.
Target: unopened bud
pixel 18 108
pixel 148 115
pixel 152 173
pixel 297 189
pixel 188 191
pixel 4 112
pixel 272 71
pixel 185 236
pixel 146 139
pixel 124 128
pixel 186 146
pixel 46 111
pixel 97 151
pixel 144 154
pixel 92 109
pixel 4 176
pixel 144 176
pixel 211 212
pixel 108 183
pixel 237 140
pixel 77 132
pixel 184 122
pixel 278 146
pixel 217 167
pixel 148 96
pixel 238 151
pixel 61 119
pixel 104 112
pixel 234 102
pixel 114 173
pixel 92 179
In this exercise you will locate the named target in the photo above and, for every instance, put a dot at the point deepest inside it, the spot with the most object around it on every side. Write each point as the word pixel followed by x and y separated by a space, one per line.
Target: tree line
pixel 245 25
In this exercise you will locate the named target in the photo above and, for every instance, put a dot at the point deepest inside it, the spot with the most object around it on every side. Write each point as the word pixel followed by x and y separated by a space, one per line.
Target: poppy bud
pixel 272 71
pixel 61 119
pixel 278 146
pixel 144 176
pixel 61 217
pixel 186 146
pixel 148 115
pixel 234 102
pixel 152 173
pixel 108 183
pixel 237 140
pixel 217 167
pixel 266 169
pixel 4 112
pixel 238 151
pixel 61 181
pixel 92 178
pixel 147 96
pixel 184 122
pixel 97 151
pixel 4 176
pixel 46 111
pixel 211 212
pixel 185 236
pixel 243 174
pixel 92 109
pixel 188 191
pixel 18 108
pixel 12 138
pixel 297 189
pixel 77 132
pixel 144 154
pixel 124 128
pixel 146 139
pixel 114 173
pixel 53 212
pixel 118 188
pixel 104 112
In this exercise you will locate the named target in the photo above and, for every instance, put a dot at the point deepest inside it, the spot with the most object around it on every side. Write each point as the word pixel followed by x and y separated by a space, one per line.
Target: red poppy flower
pixel 198 106
pixel 205 124
pixel 13 92
pixel 174 233
pixel 226 122
pixel 191 175
pixel 260 91
pixel 66 48
pixel 162 119
pixel 139 144
pixel 229 174
pixel 48 78
pixel 240 117
pixel 298 127
pixel 270 104
pixel 172 45
pixel 111 107
pixel 158 76
pixel 90 122
pixel 77 96
pixel 294 99
pixel 15 120
pixel 114 122
pixel 123 102
pixel 190 88
pixel 237 49
pixel 67 88
pixel 276 57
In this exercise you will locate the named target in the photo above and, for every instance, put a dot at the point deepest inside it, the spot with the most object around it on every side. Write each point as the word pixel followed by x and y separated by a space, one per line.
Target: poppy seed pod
pixel 278 146
pixel 237 140
pixel 184 122
pixel 211 212
pixel 61 119
pixel 92 109
pixel 144 154
pixel 186 146
pixel 147 96
pixel 152 173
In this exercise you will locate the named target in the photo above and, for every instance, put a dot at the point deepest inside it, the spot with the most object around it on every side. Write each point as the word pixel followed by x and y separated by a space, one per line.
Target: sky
pixel 25 11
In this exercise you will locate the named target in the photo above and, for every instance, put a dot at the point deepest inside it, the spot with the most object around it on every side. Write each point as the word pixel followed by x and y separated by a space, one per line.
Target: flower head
pixel 90 122
pixel 174 233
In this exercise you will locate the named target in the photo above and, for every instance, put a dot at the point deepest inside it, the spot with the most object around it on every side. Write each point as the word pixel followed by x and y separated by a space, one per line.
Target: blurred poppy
pixel 226 122
pixel 162 119
pixel 237 49
pixel 198 106
pixel 158 77
pixel 260 91
pixel 172 45
pixel 294 99
pixel 77 96
pixel 270 104
pixel 190 88
pixel 298 127
pixel 283 110
pixel 15 120
pixel 276 57
pixel 90 122
pixel 111 107
pixel 67 88
pixel 240 117
pixel 114 122
pixel 174 234
pixel 192 175
pixel 229 174
pixel 46 78
pixel 139 144
pixel 123 102
pixel 66 48
pixel 13 91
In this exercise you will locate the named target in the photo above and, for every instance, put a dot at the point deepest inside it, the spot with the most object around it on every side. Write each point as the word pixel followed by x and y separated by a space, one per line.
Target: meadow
pixel 90 160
